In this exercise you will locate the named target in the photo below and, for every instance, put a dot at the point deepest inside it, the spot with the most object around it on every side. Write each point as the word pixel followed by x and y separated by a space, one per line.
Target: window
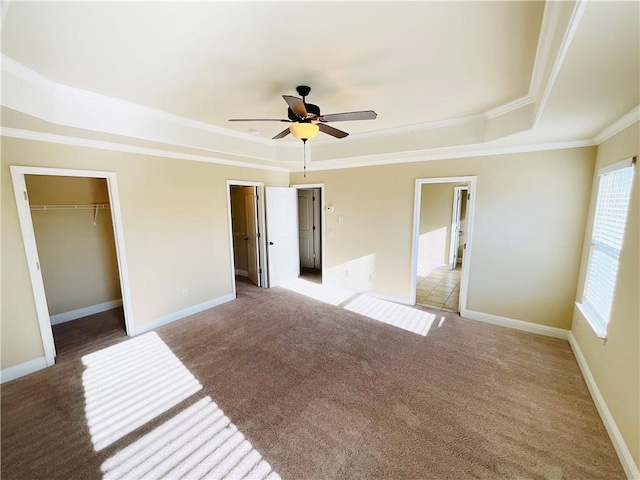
pixel 614 191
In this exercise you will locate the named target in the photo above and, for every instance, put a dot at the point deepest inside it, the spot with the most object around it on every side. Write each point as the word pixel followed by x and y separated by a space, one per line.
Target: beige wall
pixel 615 364
pixel 175 222
pixel 239 226
pixel 77 258
pixel 436 208
pixel 527 239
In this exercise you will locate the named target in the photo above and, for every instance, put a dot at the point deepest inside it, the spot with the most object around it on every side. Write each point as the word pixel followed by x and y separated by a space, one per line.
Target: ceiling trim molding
pixel 444 154
pixel 616 127
pixel 509 107
pixel 120 147
pixel 418 127
pixel 32 77
pixel 548 30
pixel 569 32
pixel 385 159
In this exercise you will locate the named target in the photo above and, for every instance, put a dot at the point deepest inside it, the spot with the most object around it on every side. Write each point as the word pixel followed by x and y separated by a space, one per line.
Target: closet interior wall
pixel 76 246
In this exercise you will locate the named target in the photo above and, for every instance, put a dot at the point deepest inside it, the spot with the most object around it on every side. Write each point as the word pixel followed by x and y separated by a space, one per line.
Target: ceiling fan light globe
pixel 304 131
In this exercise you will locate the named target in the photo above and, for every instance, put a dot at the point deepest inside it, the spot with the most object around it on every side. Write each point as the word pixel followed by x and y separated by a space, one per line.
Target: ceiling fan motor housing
pixel 303 90
pixel 312 112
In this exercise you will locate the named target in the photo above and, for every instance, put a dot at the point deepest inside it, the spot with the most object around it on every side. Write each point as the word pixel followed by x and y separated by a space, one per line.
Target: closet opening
pixel 74 234
pixel 74 244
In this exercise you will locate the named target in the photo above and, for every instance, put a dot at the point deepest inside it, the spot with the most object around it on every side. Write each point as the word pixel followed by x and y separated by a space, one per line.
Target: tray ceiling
pixel 439 74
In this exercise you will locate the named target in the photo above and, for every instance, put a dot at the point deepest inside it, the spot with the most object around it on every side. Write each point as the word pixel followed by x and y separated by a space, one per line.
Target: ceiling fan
pixel 306 119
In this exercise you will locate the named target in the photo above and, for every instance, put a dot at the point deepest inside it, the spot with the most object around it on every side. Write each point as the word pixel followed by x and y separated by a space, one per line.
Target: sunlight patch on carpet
pixel 198 443
pixel 131 383
pixel 325 293
pixel 407 318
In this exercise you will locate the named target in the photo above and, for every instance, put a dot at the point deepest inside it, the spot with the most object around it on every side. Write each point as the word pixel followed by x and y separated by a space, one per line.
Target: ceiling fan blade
pixel 343 117
pixel 334 132
pixel 296 105
pixel 282 134
pixel 258 120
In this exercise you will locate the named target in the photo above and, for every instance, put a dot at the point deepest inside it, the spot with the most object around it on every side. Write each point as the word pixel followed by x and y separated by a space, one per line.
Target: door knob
pixel 270 243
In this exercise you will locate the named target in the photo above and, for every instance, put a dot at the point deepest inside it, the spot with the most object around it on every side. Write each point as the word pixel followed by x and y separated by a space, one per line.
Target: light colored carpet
pixel 279 384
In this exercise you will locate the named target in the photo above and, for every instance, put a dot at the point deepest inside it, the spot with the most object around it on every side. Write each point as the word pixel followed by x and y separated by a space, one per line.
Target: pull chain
pixel 304 156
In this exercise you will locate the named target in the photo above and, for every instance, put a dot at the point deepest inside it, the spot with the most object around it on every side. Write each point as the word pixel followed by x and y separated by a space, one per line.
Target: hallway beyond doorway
pixel 439 287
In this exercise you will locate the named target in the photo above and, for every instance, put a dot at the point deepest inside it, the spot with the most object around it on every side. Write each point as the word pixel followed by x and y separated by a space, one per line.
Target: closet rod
pixel 95 206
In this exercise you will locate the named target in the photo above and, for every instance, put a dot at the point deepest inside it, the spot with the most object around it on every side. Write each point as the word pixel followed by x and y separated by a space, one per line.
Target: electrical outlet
pixel 340 219
pixel 346 273
pixel 185 292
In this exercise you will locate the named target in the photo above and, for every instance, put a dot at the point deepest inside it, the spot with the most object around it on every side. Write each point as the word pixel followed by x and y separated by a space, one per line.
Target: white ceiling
pixel 414 63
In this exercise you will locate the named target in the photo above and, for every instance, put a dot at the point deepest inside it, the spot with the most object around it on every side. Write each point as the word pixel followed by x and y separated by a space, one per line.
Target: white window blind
pixel 612 205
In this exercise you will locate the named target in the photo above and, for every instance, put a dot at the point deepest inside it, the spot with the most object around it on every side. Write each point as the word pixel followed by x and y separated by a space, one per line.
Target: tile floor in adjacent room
pixel 439 287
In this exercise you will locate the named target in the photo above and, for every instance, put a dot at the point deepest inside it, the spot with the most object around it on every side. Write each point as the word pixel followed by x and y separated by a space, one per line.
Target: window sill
pixel 601 332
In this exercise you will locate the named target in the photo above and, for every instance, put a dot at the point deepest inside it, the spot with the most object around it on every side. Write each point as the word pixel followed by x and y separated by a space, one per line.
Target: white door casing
pixel 471 182
pixel 264 281
pixel 33 262
pixel 282 234
pixel 319 191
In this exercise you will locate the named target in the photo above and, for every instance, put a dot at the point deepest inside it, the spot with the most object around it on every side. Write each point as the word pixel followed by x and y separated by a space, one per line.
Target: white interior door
pixel 305 228
pixel 282 234
pixel 251 212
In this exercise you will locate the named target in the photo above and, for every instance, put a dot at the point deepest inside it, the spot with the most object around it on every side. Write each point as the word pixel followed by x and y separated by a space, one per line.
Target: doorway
pixel 246 227
pixel 443 220
pixel 309 234
pixel 74 244
pixel 311 231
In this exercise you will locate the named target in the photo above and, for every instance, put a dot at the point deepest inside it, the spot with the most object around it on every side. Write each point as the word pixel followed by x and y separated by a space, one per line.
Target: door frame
pixel 262 246
pixel 31 250
pixel 471 181
pixel 455 220
pixel 308 186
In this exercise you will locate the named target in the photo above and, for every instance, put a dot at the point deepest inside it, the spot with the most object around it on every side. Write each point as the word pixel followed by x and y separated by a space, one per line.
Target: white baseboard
pixel 185 312
pixel 83 312
pixel 629 466
pixel 242 273
pixel 517 324
pixel 22 369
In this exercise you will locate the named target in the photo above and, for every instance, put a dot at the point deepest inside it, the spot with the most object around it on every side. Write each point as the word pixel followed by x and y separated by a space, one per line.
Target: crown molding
pixel 440 154
pixel 547 33
pixel 509 107
pixel 36 79
pixel 338 164
pixel 415 128
pixel 543 92
pixel 121 147
pixel 616 127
